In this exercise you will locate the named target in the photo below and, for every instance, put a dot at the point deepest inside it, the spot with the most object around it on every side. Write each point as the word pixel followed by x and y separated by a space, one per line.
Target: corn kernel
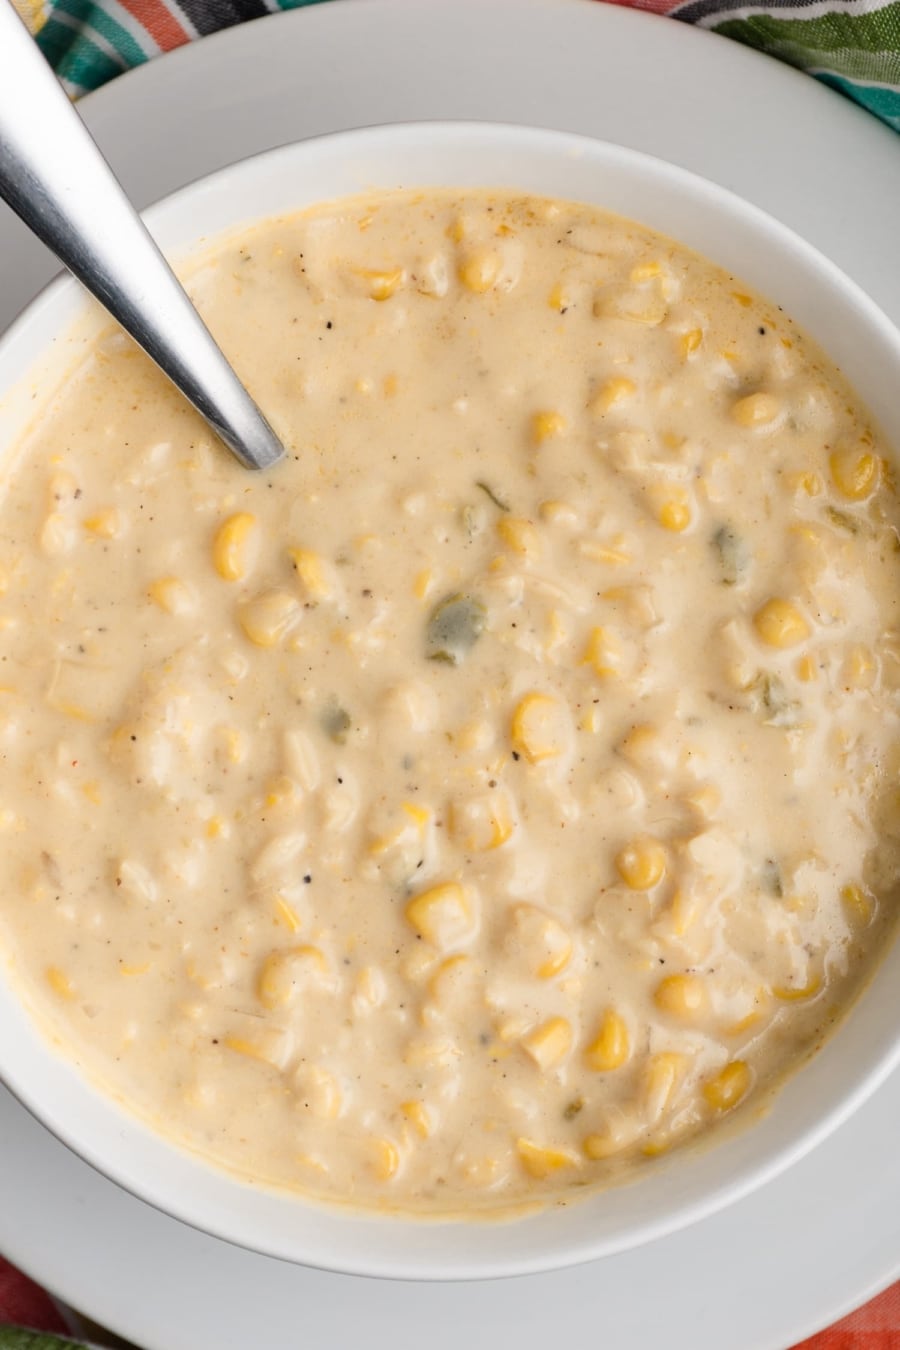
pixel 321 1092
pixel 604 652
pixel 385 1159
pixel 857 905
pixel 479 272
pixel 423 584
pixel 642 863
pixel 689 342
pixel 539 728
pixel 417 1115
pixel 267 618
pixel 807 669
pixel 728 1087
pixel 286 914
pixel 312 572
pixel 171 595
pixel 798 993
pixel 232 546
pixel 106 524
pixel 646 271
pixel 675 513
pixel 611 1046
pixel 543 939
pixel 663 1074
pixel 59 982
pixel 612 392
pixel 859 668
pixel 382 284
pixel 549 1044
pixel 855 473
pixel 641 744
pixel 546 426
pixel 442 915
pixel 756 410
pixel 519 535
pixel 780 624
pixel 682 996
pixel 542 1160
pixel 284 973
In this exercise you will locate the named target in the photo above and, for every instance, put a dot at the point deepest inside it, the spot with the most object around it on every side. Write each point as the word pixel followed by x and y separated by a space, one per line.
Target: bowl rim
pixel 64 291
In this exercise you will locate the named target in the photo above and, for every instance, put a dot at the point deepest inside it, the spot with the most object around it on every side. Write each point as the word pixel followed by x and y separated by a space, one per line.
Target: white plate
pixel 822 1238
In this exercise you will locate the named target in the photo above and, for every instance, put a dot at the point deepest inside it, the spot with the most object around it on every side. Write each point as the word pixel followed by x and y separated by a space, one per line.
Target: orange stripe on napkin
pixel 875 1326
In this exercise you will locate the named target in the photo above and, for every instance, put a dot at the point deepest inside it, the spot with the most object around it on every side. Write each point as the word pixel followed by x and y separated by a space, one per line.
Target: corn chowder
pixel 495 794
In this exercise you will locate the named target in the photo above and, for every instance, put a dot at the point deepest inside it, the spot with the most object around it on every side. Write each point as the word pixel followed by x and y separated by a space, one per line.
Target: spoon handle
pixel 53 175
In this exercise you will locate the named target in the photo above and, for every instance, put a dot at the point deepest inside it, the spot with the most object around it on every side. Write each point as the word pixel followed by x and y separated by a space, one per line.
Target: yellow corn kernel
pixel 385 1159
pixel 808 483
pixel 612 392
pixel 381 285
pixel 232 546
pixel 234 745
pixel 320 1091
pixel 683 911
pixel 419 815
pixel 311 569
pixel 641 744
pixel 603 1144
pixel 106 524
pixel 283 973
pixel 646 271
pixel 267 618
pixel 675 513
pixel 442 915
pixel 611 1046
pixel 546 426
pixel 859 668
pixel 798 993
pixel 140 969
pixel 756 410
pixel 479 271
pixel 559 949
pixel 855 472
pixel 642 863
pixel 558 513
pixel 780 624
pixel 728 1086
pixel 171 595
pixel 682 996
pixel 542 1160
pixel 417 1115
pixel 689 342
pixel 857 905
pixel 549 1043
pixel 807 669
pixel 663 1074
pixel 286 914
pixel 59 982
pixel 538 728
pixel 423 584
pixel 604 652
pixel 519 535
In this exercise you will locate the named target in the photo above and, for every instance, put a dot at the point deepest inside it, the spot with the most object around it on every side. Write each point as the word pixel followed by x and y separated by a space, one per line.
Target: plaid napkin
pixel 851 45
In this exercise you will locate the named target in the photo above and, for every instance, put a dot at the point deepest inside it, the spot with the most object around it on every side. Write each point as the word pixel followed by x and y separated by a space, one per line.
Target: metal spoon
pixel 53 175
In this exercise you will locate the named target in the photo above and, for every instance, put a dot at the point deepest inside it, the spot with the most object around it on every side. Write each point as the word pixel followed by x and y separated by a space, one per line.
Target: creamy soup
pixel 498 792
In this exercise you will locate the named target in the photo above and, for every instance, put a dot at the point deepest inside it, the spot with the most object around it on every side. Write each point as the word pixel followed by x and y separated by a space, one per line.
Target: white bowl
pixel 689 1184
